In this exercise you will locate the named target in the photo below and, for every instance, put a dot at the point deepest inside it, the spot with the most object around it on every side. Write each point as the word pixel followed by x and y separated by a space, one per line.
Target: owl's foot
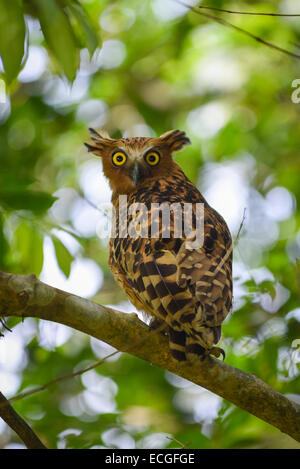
pixel 196 352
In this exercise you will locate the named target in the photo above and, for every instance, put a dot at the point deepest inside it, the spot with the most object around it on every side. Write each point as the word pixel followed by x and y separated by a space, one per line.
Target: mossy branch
pixel 26 296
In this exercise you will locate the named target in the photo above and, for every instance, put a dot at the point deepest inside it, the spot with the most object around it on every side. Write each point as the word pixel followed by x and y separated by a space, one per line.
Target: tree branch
pixel 251 13
pixel 61 378
pixel 226 23
pixel 26 296
pixel 10 416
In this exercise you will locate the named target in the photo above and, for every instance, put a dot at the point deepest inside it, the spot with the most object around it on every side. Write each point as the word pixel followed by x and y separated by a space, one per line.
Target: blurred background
pixel 139 69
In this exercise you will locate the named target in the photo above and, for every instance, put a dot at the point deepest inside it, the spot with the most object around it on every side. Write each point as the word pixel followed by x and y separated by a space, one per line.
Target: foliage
pixel 141 68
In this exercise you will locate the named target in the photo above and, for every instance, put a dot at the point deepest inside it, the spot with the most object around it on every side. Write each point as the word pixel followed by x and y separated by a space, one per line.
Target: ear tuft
pixel 175 140
pixel 100 141
pixel 97 135
pixel 90 147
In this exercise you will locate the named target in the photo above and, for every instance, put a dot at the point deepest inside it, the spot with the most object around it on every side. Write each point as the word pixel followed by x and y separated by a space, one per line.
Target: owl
pixel 183 285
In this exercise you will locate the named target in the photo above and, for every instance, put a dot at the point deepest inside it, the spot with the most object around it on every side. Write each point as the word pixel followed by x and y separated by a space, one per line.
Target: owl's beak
pixel 135 173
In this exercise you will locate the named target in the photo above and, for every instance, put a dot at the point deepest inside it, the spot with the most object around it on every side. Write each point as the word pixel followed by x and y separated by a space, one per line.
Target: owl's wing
pixel 187 289
pixel 207 270
pixel 171 283
pixel 156 282
pixel 177 279
pixel 153 277
pixel 148 277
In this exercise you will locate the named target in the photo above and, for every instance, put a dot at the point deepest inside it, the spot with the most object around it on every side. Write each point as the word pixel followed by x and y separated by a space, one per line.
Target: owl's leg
pixel 217 351
pixel 177 341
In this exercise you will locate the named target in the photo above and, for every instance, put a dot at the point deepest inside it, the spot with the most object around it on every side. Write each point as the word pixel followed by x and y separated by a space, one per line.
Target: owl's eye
pixel 119 158
pixel 152 158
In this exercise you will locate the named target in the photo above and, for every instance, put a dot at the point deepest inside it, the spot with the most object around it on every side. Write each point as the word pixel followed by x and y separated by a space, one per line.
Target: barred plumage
pixel 188 291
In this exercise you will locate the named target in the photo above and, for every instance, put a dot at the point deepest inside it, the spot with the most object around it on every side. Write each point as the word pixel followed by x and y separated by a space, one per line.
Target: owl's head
pixel 128 162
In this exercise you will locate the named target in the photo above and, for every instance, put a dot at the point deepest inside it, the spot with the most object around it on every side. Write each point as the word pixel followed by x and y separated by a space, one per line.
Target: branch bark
pixel 26 296
pixel 18 424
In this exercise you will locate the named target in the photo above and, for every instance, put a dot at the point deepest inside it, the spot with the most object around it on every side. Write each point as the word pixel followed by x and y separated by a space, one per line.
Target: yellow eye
pixel 119 158
pixel 152 158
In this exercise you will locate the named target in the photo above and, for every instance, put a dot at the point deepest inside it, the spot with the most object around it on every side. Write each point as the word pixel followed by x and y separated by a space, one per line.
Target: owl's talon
pixel 216 352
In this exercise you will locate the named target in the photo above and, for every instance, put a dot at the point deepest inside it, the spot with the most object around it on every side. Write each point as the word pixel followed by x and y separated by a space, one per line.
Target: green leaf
pixel 90 35
pixel 22 199
pixel 28 248
pixel 59 35
pixel 12 37
pixel 63 256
